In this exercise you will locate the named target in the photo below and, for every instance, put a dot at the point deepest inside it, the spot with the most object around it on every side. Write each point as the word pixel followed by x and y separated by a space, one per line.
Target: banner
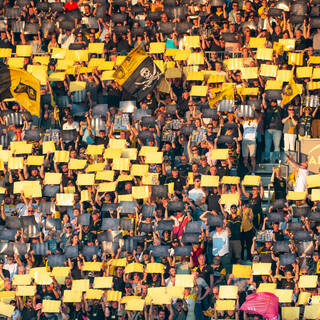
pixel 22 86
pixel 263 303
pixel 138 74
pixel 291 90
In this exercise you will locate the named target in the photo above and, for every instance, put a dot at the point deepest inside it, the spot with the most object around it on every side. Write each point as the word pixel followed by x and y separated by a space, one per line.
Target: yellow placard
pixel 94 294
pixel 23 50
pixel 92 266
pixel 296 58
pixel 173 73
pixel 61 156
pixel 155 268
pixel 125 197
pixel 72 296
pixel 85 195
pixel 219 154
pixel 273 85
pixel 198 91
pixel 118 262
pixel 64 64
pixel 65 199
pixel 251 180
pixel 114 295
pixel 26 291
pixel 284 295
pixel 6 309
pixel 5 52
pixel 315 195
pixel 77 164
pixel 316 73
pixel 288 44
pixel 93 149
pixel 303 298
pixel 106 65
pixel 268 70
pixel 129 153
pixel 102 282
pixel 313 181
pixel 222 305
pixel 21 280
pixel 304 72
pixel 249 91
pixel 81 284
pixel 171 52
pixel 35 160
pixel 241 271
pixel 107 187
pixel 15 163
pixel 249 73
pixel 264 54
pixel 216 78
pixel 267 287
pixel 107 75
pixel 191 42
pixel 175 292
pixel 150 179
pixel 157 47
pixel 42 278
pixel 48 147
pixel 51 306
pixel 146 150
pixel 196 58
pixel 290 313
pixel 311 312
pixel 96 47
pixel 52 178
pixel 257 42
pixel 170 187
pixel 77 86
pixel 308 281
pixel 163 299
pixel 60 271
pixel 16 62
pixel 95 167
pixel 135 304
pixel 314 60
pixel 195 76
pixel 209 181
pixel 44 60
pixel 107 175
pixel 234 63
pixel 117 143
pixel 121 164
pixel 139 169
pixel 85 179
pixel 296 195
pixel 284 75
pixel 313 85
pixel 134 267
pixel 112 153
pixel 230 180
pixel 228 292
pixel 21 147
pixel 39 72
pixel 261 268
pixel 58 53
pixel 160 65
pixel 5 155
pixel 184 280
pixel 154 157
pixel 230 198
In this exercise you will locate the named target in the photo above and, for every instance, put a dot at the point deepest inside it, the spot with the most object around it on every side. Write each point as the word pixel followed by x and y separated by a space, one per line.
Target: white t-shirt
pixel 250 130
pixel 72 126
pixel 300 185
pixel 220 243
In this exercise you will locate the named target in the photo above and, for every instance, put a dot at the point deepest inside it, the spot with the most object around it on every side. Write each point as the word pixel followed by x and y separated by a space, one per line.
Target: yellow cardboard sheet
pixel 85 179
pixel 209 181
pixel 241 271
pixel 228 292
pixel 52 178
pixel 102 282
pixel 51 306
pixel 106 175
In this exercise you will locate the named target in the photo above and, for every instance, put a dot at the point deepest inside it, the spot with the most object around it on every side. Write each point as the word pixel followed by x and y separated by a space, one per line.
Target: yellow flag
pixel 291 90
pixel 226 94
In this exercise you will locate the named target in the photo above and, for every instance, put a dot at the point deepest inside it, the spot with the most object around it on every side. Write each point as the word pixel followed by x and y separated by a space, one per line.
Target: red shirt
pixel 70 6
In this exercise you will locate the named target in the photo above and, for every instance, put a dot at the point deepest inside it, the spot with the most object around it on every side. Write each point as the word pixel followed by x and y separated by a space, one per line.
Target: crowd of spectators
pixel 153 209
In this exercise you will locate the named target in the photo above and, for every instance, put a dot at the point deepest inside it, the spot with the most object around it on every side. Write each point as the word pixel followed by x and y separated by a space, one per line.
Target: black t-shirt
pixel 280 188
pixel 118 284
pixel 96 312
pixel 255 204
pixel 28 314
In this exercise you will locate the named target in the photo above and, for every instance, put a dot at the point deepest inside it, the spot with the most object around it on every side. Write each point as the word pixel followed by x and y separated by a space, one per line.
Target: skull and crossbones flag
pixel 22 86
pixel 138 74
